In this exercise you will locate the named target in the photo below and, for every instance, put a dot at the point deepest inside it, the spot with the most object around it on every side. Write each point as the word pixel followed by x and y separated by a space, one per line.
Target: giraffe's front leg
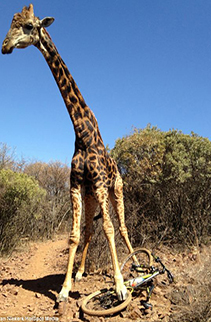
pixel 74 241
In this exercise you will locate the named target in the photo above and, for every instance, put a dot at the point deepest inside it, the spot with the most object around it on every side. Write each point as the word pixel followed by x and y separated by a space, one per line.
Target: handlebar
pixel 139 268
pixel 164 269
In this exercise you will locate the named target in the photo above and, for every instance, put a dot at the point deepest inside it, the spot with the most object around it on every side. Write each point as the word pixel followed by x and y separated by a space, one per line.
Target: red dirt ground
pixel 31 279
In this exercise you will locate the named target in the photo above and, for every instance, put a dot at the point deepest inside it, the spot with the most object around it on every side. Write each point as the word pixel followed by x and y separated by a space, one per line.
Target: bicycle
pixel 137 270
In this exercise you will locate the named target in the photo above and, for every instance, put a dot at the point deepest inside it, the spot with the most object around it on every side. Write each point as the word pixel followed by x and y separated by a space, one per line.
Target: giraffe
pixel 94 174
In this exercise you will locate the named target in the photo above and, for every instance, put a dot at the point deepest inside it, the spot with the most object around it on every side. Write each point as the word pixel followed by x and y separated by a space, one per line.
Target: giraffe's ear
pixel 46 22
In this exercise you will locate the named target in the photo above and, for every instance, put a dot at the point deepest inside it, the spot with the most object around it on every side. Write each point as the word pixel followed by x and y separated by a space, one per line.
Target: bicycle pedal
pixel 147 305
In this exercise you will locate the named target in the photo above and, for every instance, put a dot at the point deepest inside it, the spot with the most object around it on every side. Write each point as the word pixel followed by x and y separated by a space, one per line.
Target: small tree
pixel 54 178
pixel 7 160
pixel 20 208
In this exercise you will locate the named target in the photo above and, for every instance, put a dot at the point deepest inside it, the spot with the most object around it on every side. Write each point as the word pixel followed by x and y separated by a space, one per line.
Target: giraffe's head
pixel 24 30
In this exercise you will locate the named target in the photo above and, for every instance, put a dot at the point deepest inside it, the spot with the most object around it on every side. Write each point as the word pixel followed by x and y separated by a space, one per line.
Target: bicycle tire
pixel 103 312
pixel 140 256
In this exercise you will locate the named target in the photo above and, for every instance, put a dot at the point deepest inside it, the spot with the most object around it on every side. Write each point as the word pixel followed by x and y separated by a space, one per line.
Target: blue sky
pixel 135 61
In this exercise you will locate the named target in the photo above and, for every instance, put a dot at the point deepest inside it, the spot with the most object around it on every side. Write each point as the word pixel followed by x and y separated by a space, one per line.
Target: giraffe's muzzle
pixel 7 47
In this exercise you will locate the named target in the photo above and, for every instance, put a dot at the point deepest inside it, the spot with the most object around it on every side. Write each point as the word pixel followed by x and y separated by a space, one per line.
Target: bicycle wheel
pixel 104 302
pixel 136 264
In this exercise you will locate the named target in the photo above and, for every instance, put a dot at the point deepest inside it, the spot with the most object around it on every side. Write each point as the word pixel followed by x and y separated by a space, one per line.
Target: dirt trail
pixel 30 281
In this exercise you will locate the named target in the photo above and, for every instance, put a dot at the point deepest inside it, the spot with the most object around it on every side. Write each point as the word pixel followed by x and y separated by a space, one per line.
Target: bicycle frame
pixel 140 280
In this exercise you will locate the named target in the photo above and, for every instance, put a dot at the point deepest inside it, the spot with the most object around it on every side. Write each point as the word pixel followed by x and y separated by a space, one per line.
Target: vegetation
pixel 20 207
pixel 167 177
pixel 53 177
pixel 34 199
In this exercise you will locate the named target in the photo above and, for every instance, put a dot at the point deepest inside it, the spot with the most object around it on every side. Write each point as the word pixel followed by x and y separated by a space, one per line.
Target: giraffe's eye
pixel 28 26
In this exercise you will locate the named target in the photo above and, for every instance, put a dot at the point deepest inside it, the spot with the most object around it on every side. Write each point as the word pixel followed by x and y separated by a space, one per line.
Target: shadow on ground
pixel 45 285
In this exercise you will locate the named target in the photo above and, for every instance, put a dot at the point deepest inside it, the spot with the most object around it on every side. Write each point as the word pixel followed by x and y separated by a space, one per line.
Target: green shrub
pixel 20 208
pixel 167 186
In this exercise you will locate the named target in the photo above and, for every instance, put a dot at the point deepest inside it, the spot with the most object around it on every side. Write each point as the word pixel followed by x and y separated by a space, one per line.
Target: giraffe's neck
pixel 84 121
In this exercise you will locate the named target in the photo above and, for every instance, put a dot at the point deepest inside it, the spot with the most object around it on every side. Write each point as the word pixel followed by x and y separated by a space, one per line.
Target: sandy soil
pixel 30 281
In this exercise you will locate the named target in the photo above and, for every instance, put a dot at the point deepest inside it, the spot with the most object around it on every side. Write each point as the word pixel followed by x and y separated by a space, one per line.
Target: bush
pixel 21 182
pixel 20 208
pixel 167 186
pixel 54 177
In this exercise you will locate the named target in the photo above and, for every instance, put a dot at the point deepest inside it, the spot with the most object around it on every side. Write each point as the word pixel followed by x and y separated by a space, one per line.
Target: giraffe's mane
pixel 47 33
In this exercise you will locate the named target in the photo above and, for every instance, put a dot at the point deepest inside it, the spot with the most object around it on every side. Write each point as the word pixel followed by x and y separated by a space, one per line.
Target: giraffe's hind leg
pixel 90 208
pixel 103 199
pixel 116 197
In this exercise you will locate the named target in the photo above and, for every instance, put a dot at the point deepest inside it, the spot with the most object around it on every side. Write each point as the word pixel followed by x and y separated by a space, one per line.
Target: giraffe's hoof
pixel 61 298
pixel 78 276
pixel 121 293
